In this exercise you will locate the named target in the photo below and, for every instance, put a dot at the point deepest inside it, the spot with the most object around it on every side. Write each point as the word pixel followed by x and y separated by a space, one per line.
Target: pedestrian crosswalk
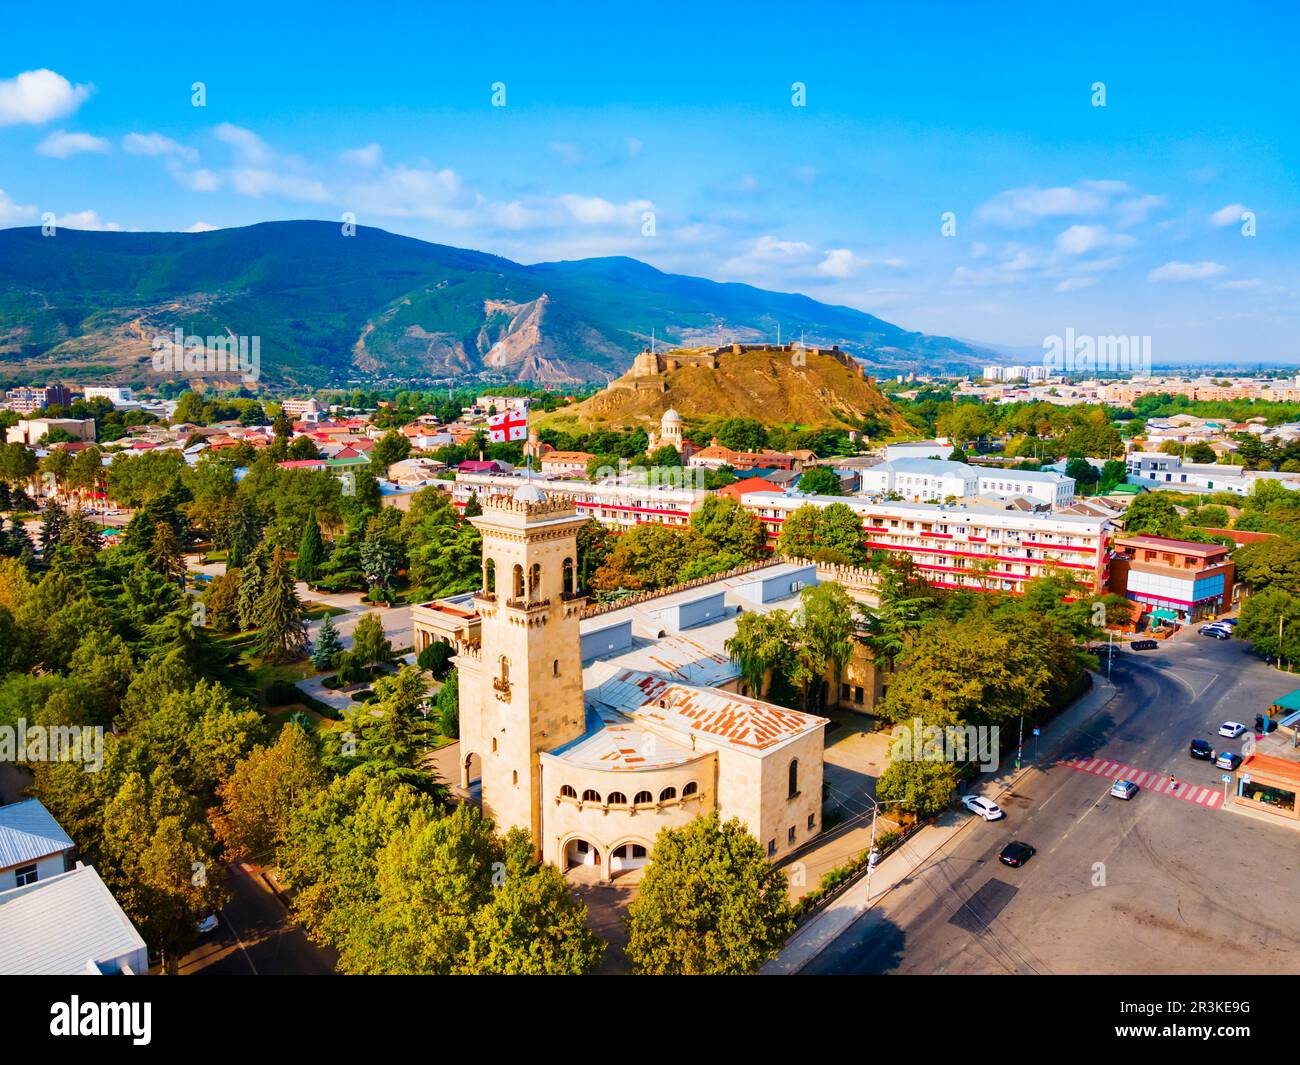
pixel 1160 783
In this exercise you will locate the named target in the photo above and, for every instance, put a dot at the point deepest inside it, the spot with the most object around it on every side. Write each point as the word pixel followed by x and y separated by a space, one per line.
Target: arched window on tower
pixel 570 578
pixel 518 591
pixel 534 582
pixel 489 575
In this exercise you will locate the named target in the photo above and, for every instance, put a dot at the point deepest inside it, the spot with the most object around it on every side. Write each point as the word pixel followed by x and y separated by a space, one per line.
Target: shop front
pixel 1270 784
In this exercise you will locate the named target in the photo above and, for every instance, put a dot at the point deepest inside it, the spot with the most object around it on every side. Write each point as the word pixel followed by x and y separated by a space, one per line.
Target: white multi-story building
pixel 616 503
pixel 119 396
pixel 964 546
pixel 923 449
pixel 934 480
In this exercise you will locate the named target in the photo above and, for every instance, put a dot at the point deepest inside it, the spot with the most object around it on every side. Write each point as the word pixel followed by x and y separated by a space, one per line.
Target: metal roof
pixel 67 925
pixel 28 832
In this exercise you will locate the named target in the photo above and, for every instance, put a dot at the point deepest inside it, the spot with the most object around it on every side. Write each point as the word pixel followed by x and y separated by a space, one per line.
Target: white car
pixel 1231 729
pixel 977 804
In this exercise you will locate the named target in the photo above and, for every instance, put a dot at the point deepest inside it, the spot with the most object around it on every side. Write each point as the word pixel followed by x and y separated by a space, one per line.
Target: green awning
pixel 1290 701
pixel 1164 614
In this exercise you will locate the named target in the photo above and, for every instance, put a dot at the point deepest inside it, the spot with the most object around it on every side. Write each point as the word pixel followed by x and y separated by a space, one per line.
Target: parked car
pixel 1016 853
pixel 1227 621
pixel 1123 789
pixel 1144 645
pixel 1219 632
pixel 1264 725
pixel 1201 749
pixel 1231 729
pixel 1228 760
pixel 208 924
pixel 986 809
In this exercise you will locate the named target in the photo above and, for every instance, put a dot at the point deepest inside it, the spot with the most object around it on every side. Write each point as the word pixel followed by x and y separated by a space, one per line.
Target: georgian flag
pixel 512 425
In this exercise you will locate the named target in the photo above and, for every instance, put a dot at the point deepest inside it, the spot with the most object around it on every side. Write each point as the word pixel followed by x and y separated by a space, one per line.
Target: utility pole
pixel 1020 747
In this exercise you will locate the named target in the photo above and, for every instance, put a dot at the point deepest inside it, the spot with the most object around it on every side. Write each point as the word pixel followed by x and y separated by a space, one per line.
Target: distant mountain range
pixel 376 307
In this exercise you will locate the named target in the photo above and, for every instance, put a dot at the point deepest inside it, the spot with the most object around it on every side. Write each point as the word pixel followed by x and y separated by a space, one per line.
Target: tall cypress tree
pixel 251 579
pixel 311 552
pixel 52 528
pixel 283 627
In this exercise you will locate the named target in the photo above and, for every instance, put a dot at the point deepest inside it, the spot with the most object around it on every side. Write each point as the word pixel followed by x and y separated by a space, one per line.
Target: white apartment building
pixel 962 546
pixel 924 449
pixel 118 396
pixel 616 503
pixel 1015 373
pixel 1155 469
pixel 934 480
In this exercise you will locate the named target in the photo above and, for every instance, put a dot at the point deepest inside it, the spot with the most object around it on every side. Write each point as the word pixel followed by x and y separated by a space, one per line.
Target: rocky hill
pixel 809 388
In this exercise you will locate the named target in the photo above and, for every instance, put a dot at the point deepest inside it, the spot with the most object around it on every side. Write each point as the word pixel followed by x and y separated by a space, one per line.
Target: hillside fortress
pixel 649 367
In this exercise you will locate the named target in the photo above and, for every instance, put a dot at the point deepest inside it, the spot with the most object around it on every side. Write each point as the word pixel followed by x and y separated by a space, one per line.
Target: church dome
pixel 671 417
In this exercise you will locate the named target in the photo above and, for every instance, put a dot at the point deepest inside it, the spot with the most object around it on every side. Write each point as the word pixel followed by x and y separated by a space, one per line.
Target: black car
pixel 1144 645
pixel 1201 749
pixel 1016 853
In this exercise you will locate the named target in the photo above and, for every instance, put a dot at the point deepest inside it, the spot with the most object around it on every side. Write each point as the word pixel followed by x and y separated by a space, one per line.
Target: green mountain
pixel 330 309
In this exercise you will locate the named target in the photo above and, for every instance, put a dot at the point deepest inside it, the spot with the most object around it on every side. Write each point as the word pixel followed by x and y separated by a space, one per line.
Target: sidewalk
pixel 822 929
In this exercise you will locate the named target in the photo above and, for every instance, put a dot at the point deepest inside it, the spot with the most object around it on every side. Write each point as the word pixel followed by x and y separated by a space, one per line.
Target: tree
pixel 380 561
pixel 1201 452
pixel 252 579
pixel 741 434
pixel 763 644
pixel 923 788
pixel 165 553
pixel 841 534
pixel 1153 514
pixel 724 525
pixel 446 705
pixel 710 903
pixel 327 646
pixel 311 553
pixel 369 644
pixel 800 532
pixel 282 628
pixel 666 456
pixel 436 658
pixel 389 448
pixel 820 481
pixel 1271 563
pixel 259 796
pixel 650 555
pixel 1083 471
pixel 1270 620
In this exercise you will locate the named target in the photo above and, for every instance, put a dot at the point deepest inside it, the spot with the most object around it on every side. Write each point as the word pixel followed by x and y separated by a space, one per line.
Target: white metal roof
pixel 28 832
pixel 64 925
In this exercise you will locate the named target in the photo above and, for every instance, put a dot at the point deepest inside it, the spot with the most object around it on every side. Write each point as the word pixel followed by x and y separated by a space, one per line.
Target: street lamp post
pixel 876 804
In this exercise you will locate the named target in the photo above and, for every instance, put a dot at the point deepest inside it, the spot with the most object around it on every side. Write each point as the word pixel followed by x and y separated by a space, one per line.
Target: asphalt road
pixel 1158 884
pixel 255 937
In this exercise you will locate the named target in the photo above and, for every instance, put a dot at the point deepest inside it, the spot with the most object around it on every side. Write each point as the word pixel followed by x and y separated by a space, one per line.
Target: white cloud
pixel 1176 271
pixel 634 148
pixel 1136 209
pixel 248 147
pixel 1073 284
pixel 840 262
pixel 596 211
pixel 1226 216
pixel 367 157
pixel 156 144
pixel 38 96
pixel 63 145
pixel 1244 283
pixel 1026 206
pixel 200 227
pixel 1080 239
pixel 200 180
pixel 87 220
pixel 567 154
pixel 14 214
pixel 254 182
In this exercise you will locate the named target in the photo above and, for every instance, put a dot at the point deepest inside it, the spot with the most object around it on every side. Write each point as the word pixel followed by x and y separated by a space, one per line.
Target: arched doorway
pixel 580 852
pixel 628 856
pixel 471 769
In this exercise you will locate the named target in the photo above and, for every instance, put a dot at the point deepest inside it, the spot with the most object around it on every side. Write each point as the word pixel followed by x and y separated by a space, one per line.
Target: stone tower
pixel 524 693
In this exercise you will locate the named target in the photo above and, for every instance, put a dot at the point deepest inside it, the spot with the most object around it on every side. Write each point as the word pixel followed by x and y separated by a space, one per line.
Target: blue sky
pixel 1122 219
